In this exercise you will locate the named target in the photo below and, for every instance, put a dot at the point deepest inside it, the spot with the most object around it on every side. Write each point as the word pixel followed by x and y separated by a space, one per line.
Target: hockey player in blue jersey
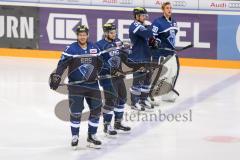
pixel 114 88
pixel 165 30
pixel 81 68
pixel 139 35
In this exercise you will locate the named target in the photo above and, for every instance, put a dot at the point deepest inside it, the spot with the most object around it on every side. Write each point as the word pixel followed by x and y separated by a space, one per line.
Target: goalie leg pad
pixel 166 81
pixel 171 96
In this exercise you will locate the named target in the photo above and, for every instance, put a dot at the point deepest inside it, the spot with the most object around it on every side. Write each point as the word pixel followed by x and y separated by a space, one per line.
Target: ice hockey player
pixel 81 68
pixel 165 30
pixel 114 88
pixel 139 35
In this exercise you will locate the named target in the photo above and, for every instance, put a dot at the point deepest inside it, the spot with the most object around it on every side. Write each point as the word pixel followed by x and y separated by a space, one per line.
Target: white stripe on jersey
pixel 168 29
pixel 136 29
pixel 82 55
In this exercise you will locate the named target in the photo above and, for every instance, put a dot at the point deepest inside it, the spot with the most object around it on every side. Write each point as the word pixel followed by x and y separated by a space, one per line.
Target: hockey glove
pixel 154 43
pixel 55 80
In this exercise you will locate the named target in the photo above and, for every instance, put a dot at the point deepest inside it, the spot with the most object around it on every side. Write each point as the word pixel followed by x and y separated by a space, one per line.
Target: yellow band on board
pixel 56 55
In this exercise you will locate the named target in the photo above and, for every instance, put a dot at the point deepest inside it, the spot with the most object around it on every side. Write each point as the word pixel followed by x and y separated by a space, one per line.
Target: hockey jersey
pixel 111 60
pixel 80 68
pixel 139 35
pixel 165 31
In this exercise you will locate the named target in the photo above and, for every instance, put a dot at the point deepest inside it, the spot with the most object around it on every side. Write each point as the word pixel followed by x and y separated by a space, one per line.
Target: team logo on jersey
pixel 86 70
pixel 114 62
pixel 93 51
pixel 172 37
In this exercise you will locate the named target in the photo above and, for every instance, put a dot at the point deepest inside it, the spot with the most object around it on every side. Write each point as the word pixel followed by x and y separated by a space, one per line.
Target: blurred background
pixel 33 33
pixel 48 25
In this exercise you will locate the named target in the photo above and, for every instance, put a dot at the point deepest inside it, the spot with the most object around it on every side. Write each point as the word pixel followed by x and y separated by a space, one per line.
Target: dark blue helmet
pixel 82 28
pixel 138 11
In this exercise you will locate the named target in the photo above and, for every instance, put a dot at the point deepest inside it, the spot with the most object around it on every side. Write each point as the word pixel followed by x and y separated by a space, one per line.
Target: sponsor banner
pixel 87 2
pixel 127 3
pixel 201 31
pixel 177 4
pixel 219 5
pixel 229 37
pixel 57 29
pixel 19 27
pixel 33 1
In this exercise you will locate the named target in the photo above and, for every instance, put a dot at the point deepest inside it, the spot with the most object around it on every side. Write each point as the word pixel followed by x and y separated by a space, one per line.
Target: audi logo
pixel 179 3
pixel 234 5
pixel 126 2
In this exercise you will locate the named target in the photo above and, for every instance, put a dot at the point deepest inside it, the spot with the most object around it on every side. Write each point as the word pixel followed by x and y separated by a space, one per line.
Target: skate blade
pixel 136 109
pixel 149 109
pixel 169 101
pixel 123 132
pixel 110 136
pixel 91 145
pixel 155 104
pixel 74 148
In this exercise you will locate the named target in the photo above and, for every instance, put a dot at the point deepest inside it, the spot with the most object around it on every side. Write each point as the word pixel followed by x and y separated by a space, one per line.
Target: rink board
pixel 214 34
pixel 57 54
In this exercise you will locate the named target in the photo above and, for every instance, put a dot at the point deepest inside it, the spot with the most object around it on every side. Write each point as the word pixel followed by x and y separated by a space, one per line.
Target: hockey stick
pixel 177 49
pixel 94 55
pixel 121 73
pixel 184 48
pixel 103 77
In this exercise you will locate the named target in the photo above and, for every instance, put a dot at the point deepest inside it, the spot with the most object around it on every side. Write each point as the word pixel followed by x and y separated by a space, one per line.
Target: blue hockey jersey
pixel 111 60
pixel 139 36
pixel 80 68
pixel 165 30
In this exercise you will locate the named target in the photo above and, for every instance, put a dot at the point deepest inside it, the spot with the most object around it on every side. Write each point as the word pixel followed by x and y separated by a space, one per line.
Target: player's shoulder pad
pixel 100 44
pixel 70 49
pixel 138 26
pixel 155 21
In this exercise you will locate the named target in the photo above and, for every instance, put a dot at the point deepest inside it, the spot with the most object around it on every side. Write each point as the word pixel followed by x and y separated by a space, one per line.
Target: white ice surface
pixel 29 129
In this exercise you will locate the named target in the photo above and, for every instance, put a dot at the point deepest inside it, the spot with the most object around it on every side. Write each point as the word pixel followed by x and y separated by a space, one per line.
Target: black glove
pixel 117 73
pixel 55 80
pixel 153 42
